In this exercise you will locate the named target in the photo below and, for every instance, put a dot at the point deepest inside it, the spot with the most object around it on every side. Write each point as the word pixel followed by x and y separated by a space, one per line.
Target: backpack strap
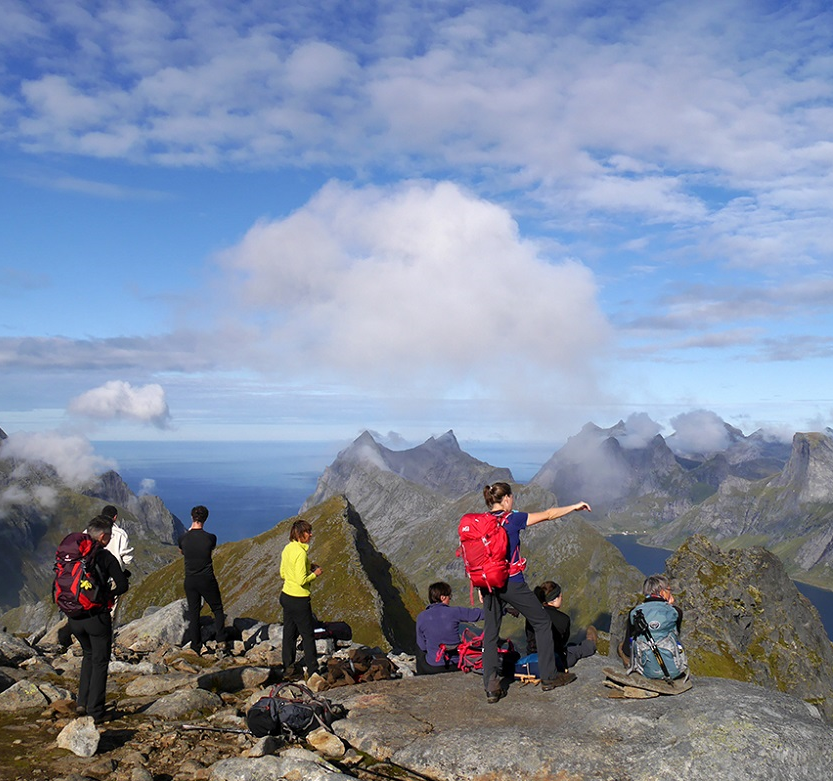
pixel 470 645
pixel 446 653
pixel 517 563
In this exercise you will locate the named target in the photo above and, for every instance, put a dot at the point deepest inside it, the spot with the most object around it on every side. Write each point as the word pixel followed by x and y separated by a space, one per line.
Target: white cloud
pixel 120 400
pixel 699 431
pixel 147 486
pixel 418 284
pixel 625 112
pixel 639 431
pixel 71 456
pixel 393 440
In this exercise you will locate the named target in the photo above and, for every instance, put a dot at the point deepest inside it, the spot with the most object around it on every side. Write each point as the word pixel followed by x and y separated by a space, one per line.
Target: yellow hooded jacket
pixel 296 569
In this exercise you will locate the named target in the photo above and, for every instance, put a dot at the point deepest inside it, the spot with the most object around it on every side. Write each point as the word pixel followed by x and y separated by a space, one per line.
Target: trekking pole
pixel 234 730
pixel 641 627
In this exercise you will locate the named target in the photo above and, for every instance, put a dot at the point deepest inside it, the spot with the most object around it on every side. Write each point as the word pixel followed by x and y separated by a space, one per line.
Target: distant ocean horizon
pixel 249 487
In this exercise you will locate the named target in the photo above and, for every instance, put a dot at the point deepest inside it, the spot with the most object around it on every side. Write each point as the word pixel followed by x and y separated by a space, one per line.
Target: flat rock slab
pixel 637 681
pixel 441 726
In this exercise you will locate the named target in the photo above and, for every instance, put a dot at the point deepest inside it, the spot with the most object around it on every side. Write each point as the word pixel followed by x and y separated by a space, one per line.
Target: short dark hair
pixel 199 514
pixel 300 527
pixel 438 590
pixel 547 591
pixel 109 511
pixel 99 525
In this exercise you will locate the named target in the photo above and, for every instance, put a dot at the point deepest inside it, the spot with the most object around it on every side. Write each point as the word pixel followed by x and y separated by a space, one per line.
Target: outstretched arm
pixel 556 512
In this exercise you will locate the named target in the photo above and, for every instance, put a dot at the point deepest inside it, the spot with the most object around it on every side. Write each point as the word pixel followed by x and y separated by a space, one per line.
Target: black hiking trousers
pixel 95 634
pixel 298 620
pixel 519 596
pixel 197 588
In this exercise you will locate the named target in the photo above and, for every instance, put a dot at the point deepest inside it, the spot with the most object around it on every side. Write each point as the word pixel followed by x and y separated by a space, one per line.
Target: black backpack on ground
pixel 79 587
pixel 292 711
pixel 332 630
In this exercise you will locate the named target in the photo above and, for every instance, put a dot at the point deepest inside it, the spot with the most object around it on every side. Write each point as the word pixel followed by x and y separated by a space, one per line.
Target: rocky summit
pixel 179 716
pixel 791 512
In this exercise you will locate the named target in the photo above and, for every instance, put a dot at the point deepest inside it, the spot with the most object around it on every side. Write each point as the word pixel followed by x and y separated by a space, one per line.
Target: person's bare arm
pixel 554 513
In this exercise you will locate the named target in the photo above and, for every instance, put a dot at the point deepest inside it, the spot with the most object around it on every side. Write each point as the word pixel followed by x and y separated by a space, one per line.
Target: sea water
pixel 249 487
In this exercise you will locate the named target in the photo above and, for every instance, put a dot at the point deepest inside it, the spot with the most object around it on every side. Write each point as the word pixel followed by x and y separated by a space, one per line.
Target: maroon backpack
pixel 79 586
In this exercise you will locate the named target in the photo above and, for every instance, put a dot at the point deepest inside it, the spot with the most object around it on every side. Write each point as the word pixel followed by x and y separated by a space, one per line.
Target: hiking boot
pixel 495 696
pixel 80 710
pixel 592 634
pixel 561 679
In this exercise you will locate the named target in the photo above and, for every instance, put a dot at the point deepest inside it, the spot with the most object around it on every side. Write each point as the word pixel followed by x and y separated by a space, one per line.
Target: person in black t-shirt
pixel 200 582
pixel 566 654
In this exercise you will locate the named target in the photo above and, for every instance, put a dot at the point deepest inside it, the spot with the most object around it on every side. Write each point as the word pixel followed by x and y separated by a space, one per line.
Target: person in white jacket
pixel 119 546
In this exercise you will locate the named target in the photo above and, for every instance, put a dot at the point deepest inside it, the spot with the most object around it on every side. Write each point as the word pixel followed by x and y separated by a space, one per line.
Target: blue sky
pixel 296 221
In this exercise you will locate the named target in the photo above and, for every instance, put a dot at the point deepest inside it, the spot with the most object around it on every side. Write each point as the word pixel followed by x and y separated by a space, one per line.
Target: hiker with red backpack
pixel 84 570
pixel 490 547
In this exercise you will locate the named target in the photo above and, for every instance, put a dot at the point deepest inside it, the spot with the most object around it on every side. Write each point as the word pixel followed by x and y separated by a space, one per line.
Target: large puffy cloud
pixel 698 431
pixel 120 400
pixel 418 284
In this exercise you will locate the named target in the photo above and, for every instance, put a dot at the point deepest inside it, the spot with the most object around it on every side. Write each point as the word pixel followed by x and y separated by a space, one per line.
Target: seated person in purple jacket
pixel 439 624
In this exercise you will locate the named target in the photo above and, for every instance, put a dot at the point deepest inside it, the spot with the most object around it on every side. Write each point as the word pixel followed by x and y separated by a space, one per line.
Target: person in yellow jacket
pixel 298 573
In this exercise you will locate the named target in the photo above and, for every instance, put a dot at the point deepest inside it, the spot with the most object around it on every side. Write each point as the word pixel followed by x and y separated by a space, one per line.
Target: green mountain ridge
pixel 358 584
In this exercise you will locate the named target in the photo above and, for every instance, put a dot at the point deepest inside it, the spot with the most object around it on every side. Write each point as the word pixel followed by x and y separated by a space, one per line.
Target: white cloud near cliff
pixel 72 456
pixel 698 431
pixel 640 429
pixel 421 284
pixel 120 400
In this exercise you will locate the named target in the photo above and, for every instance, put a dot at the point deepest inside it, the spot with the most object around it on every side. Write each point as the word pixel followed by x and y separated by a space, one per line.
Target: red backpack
pixel 79 586
pixel 484 548
pixel 470 652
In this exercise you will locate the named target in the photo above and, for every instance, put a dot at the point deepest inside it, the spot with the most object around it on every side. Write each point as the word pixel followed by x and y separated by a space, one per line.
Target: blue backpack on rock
pixel 659 636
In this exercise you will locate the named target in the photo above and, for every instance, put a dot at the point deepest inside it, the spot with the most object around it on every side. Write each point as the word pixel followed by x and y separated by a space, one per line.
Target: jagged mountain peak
pixel 809 470
pixel 447 440
pixel 591 430
pixel 438 464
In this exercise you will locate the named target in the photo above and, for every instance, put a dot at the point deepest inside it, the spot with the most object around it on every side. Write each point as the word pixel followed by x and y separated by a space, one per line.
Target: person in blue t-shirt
pixel 439 625
pixel 516 593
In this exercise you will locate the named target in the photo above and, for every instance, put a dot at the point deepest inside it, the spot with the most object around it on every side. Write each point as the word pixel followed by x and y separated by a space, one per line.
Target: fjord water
pixel 652 560
pixel 249 487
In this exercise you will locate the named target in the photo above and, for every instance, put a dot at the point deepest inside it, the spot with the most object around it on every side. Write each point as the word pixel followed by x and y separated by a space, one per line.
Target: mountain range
pixel 415 525
pixel 386 527
pixel 755 491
